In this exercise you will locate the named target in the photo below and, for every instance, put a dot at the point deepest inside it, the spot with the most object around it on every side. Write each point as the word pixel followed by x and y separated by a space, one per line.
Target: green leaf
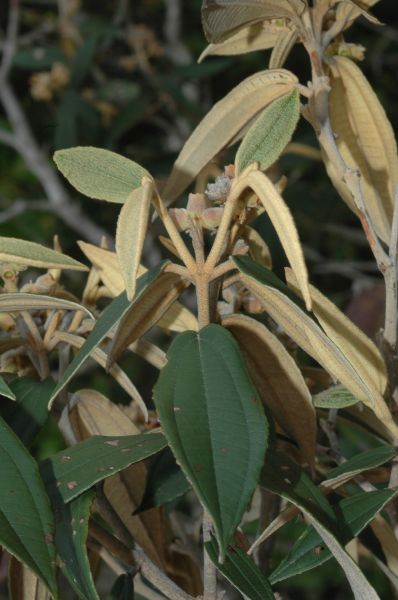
pixel 31 254
pixel 286 478
pixel 100 174
pixel 76 469
pixel 242 572
pixel 26 520
pixel 309 551
pixel 166 482
pixel 71 530
pixel 282 477
pixel 270 134
pixel 5 390
pixel 214 421
pixel 123 589
pixel 335 397
pixel 370 459
pixel 28 414
pixel 108 319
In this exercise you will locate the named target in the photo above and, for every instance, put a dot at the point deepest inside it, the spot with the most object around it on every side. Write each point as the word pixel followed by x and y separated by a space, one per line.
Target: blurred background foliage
pixel 122 75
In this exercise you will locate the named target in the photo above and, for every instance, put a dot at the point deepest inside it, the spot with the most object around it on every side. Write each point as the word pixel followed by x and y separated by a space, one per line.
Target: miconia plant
pixel 251 386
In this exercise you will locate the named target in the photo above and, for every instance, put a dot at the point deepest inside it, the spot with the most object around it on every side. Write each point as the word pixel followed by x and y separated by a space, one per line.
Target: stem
pixel 202 296
pixel 209 570
pixel 222 236
pixel 174 234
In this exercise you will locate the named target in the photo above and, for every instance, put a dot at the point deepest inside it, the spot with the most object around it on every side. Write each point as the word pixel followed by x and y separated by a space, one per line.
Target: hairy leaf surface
pixel 131 232
pixel 31 254
pixel 270 134
pixel 99 173
pixel 221 18
pixel 223 122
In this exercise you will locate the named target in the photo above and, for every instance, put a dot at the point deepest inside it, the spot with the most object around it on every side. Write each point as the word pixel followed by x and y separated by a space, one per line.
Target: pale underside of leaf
pixel 131 231
pixel 285 227
pixel 100 174
pixel 222 18
pixel 282 48
pixel 150 308
pixel 259 36
pixel 101 358
pixel 224 121
pixel 366 141
pixel 178 318
pixel 258 248
pixel 30 254
pixel 314 342
pixel 278 380
pixel 16 302
pixel 349 10
pixel 362 353
pixel 91 413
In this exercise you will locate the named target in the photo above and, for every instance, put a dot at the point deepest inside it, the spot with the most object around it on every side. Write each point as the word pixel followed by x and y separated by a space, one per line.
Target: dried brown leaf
pixel 146 312
pixel 278 381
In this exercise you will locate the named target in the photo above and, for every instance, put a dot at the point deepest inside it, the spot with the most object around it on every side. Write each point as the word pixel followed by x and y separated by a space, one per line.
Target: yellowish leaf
pixel 282 48
pixel 309 336
pixel 259 36
pixel 278 381
pixel 178 318
pixel 362 353
pixel 147 311
pixel 366 141
pixel 285 227
pixel 388 542
pixel 15 302
pixel 224 121
pixel 223 18
pixel 349 10
pixel 258 249
pixel 131 231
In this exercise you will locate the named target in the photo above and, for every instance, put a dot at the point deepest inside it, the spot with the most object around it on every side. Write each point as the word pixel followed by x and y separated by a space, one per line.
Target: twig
pixel 19 207
pixel 9 46
pixel 209 570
